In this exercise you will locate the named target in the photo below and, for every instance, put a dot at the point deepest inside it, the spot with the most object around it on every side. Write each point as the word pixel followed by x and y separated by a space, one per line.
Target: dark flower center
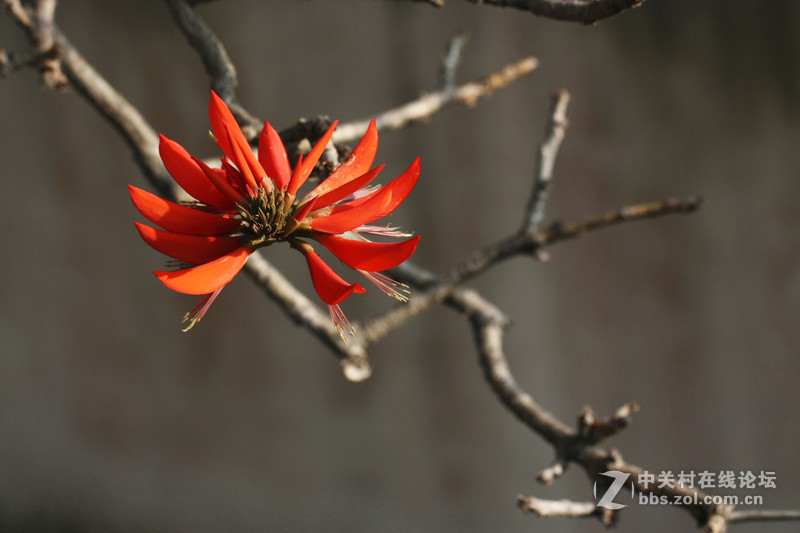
pixel 264 216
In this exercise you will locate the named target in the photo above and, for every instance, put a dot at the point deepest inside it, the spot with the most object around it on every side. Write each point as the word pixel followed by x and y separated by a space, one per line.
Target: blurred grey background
pixel 111 419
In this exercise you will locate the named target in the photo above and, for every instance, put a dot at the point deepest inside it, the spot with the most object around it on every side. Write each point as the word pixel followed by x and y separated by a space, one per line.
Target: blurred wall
pixel 111 419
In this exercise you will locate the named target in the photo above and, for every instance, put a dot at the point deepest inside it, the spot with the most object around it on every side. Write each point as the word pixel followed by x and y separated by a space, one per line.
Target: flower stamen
pixel 393 288
pixel 343 325
pixel 197 312
pixel 263 216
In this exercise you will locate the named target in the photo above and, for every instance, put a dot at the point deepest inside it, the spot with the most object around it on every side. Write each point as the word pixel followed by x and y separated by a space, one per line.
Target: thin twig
pixel 546 159
pixel 137 132
pixel 141 138
pixel 563 508
pixel 533 242
pixel 215 59
pixel 11 61
pixel 557 232
pixel 439 289
pixel 583 11
pixel 422 108
pixel 303 311
pixel 488 326
pixel 37 21
pixel 434 3
pixel 593 429
pixel 762 516
pixel 50 65
pixel 451 60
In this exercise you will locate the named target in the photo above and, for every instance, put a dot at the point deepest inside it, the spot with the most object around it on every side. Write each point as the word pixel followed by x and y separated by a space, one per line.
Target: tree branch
pixel 545 160
pixel 304 312
pixel 583 11
pixel 451 59
pixel 424 107
pixel 215 59
pixel 562 508
pixel 737 517
pixel 526 241
pixel 135 130
pixel 434 3
pixel 37 21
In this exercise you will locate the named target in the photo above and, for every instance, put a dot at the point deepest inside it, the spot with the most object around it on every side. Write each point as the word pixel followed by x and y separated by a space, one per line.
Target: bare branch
pixel 546 159
pixel 558 232
pixel 304 312
pixel 451 59
pixel 141 138
pixel 467 94
pixel 441 289
pixel 583 11
pixel 592 430
pixel 434 3
pixel 533 242
pixel 564 508
pixel 215 59
pixel 50 66
pixel 716 523
pixel 762 516
pixel 552 472
pixel 37 20
pixel 488 325
pixel 136 131
pixel 380 325
pixel 19 14
pixel 11 62
pixel 437 290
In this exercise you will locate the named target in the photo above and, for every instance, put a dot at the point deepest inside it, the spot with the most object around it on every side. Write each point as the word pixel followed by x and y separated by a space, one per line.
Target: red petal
pixel 307 165
pixel 179 218
pixel 233 142
pixel 303 210
pixel 329 286
pixel 346 189
pixel 380 203
pixel 401 187
pixel 188 174
pixel 234 179
pixel 370 256
pixel 377 205
pixel 220 116
pixel 206 278
pixel 357 163
pixel 295 177
pixel 249 168
pixel 219 178
pixel 273 158
pixel 346 217
pixel 194 249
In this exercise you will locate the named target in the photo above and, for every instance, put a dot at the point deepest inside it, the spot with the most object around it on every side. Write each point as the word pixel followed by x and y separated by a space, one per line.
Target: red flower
pixel 251 201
